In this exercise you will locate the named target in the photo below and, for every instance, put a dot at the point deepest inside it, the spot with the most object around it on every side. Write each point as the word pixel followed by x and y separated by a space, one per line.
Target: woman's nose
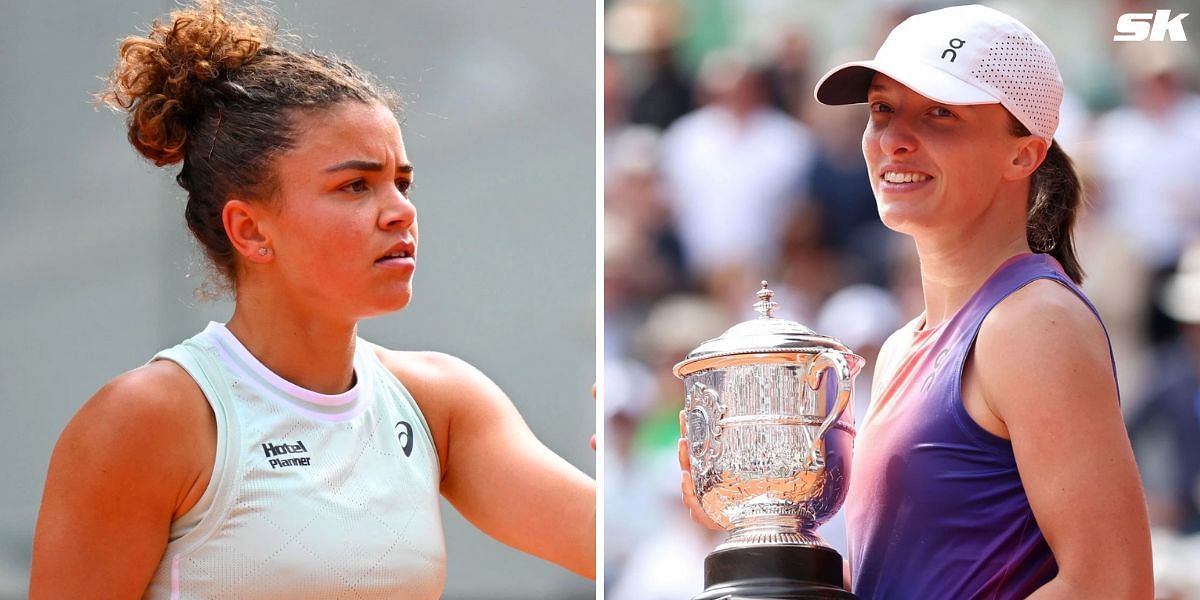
pixel 896 137
pixel 398 211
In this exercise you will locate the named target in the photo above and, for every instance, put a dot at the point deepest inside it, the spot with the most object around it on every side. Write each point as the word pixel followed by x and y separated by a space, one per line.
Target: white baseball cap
pixel 961 55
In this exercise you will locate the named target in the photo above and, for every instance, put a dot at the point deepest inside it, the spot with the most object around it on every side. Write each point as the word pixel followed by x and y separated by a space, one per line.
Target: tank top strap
pixel 1012 275
pixel 193 528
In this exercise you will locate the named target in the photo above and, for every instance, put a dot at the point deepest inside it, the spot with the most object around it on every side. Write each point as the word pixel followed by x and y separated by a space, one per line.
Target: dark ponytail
pixel 1055 193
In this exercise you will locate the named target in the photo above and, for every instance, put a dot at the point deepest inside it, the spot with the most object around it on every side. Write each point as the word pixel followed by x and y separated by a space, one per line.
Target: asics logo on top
pixel 1137 27
pixel 274 450
pixel 405 436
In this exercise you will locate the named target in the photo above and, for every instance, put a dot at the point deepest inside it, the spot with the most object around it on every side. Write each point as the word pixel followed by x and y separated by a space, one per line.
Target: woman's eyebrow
pixel 877 88
pixel 366 165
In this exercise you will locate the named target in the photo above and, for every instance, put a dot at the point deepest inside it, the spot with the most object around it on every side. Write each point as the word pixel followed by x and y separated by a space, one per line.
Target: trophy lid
pixel 765 339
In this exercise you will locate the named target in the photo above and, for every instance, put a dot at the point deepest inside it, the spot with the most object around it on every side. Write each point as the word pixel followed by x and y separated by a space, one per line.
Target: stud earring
pixel 264 251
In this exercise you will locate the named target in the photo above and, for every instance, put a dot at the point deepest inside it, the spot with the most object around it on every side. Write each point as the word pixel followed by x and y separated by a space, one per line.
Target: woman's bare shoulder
pixel 149 432
pixel 1043 308
pixel 134 457
pixel 1044 337
pixel 432 377
pixel 159 396
pixel 422 364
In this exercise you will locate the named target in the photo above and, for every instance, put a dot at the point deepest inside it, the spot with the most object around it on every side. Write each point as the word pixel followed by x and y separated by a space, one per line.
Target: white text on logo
pixel 1137 27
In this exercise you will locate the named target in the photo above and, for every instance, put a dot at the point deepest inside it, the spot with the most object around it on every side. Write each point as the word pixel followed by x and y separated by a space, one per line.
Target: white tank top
pixel 312 495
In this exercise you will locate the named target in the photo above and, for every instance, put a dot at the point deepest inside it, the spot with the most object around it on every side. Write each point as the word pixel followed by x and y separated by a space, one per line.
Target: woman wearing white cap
pixel 993 462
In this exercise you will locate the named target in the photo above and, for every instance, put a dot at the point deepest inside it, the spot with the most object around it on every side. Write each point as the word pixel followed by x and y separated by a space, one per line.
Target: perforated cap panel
pixel 1022 69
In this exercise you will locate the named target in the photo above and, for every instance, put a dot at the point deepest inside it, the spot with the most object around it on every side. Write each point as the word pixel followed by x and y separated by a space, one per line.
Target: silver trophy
pixel 770 431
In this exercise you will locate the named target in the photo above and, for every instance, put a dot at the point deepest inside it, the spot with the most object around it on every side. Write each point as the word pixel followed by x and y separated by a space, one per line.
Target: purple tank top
pixel 936 508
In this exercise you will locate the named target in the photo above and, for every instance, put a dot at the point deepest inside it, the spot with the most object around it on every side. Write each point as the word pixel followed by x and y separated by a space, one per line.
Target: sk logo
pixel 405 436
pixel 1156 27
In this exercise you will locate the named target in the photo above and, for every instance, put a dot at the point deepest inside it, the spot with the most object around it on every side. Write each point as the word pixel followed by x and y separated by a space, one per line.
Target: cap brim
pixel 848 83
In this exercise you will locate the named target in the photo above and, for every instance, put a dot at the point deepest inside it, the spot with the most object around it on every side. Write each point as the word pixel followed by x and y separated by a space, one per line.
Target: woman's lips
pixel 397 262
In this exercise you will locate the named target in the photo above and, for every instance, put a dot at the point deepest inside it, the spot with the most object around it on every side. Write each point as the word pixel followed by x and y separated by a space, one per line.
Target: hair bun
pixel 163 80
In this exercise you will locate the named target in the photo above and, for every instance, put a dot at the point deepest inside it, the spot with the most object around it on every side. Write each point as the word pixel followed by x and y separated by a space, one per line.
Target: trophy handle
pixel 832 359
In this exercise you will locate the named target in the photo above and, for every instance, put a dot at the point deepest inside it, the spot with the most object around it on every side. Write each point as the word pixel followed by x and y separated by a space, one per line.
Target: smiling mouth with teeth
pixel 893 177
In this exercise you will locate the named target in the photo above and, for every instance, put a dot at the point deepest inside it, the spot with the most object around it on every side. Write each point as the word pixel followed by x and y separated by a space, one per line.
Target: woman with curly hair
pixel 279 453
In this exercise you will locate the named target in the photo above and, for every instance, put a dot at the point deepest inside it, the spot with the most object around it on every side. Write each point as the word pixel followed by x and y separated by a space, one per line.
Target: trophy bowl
pixel 770 433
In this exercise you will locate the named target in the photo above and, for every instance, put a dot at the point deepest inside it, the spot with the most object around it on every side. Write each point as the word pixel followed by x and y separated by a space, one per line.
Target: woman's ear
pixel 1028 155
pixel 244 227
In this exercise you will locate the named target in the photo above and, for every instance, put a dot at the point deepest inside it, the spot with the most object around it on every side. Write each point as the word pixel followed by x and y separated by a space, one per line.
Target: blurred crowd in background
pixel 720 171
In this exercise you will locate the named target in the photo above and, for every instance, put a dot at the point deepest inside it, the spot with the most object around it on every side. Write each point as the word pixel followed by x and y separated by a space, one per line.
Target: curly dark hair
pixel 212 89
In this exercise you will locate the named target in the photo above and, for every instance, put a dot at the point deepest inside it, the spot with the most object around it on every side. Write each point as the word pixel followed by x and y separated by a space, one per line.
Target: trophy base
pixel 775 572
